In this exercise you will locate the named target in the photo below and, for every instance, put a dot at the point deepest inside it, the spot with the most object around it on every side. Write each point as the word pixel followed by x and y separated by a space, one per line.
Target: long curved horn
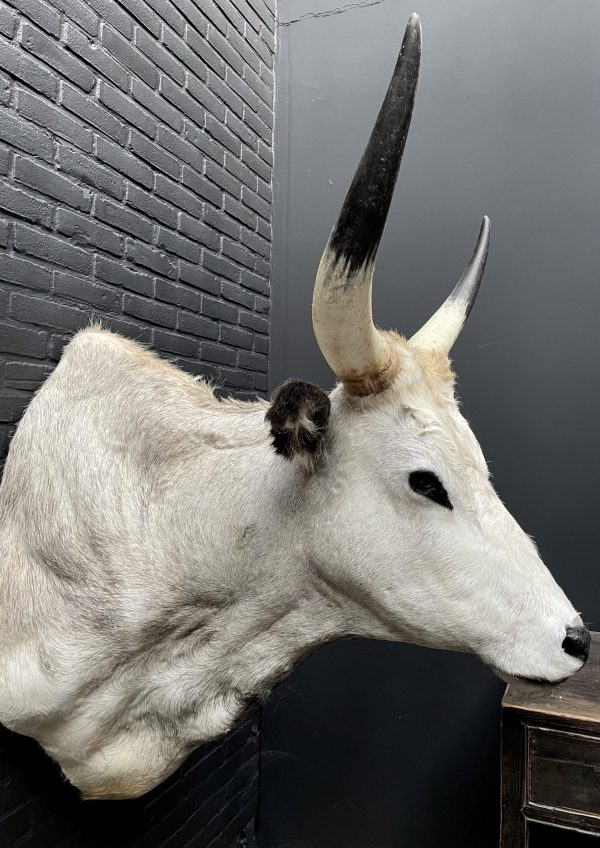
pixel 357 352
pixel 442 329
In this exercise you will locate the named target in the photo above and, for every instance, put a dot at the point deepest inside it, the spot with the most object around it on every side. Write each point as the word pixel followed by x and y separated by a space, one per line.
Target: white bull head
pixel 161 565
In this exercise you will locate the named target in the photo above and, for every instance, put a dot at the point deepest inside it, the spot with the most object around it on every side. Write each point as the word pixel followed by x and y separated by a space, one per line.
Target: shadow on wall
pixel 212 797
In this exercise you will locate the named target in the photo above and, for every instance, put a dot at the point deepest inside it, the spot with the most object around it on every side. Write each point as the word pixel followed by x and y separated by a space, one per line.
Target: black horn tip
pixel 468 286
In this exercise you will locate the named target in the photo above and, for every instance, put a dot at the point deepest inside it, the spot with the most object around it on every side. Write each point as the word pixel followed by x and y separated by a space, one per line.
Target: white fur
pixel 160 564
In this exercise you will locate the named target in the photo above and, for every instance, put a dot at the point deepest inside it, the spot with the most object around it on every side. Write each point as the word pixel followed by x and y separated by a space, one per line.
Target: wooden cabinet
pixel 551 761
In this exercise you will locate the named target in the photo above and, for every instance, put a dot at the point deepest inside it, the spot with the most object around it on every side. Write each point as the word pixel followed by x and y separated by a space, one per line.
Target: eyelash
pixel 427 484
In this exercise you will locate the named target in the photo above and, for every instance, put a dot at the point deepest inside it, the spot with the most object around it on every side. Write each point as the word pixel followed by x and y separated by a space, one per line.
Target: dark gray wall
pixel 372 745
pixel 135 188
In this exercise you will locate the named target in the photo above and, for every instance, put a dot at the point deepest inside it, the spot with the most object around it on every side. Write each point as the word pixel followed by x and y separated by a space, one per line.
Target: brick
pixel 155 260
pixel 219 176
pixel 199 369
pixel 190 10
pixel 266 56
pixel 90 173
pixel 155 104
pixel 168 14
pixel 114 15
pixel 42 13
pixel 155 155
pixel 222 223
pixel 21 272
pixel 19 64
pixel 243 48
pixel 228 53
pixel 179 245
pixel 131 58
pixel 46 312
pixel 12 407
pixel 159 56
pixel 215 15
pixel 237 379
pixel 254 322
pixel 239 254
pixel 52 184
pixel 203 142
pixel 27 376
pixel 236 337
pixel 257 125
pixel 22 340
pixel 197 325
pixel 261 344
pixel 96 56
pixel 253 361
pixel 202 187
pixel 144 15
pixel 175 343
pixel 218 353
pixel 241 172
pixel 223 136
pixel 121 218
pixel 84 231
pixel 152 207
pixel 81 289
pixel 181 149
pixel 120 275
pixel 8 22
pixel 198 277
pixel 177 195
pixel 131 329
pixel 179 295
pixel 25 205
pixel 254 282
pixel 55 55
pixel 196 230
pixel 124 162
pixel 257 164
pixel 149 310
pixel 93 114
pixel 79 12
pixel 242 131
pixel 261 305
pixel 266 192
pixel 219 310
pixel 182 101
pixel 220 266
pixel 5 156
pixel 54 119
pixel 179 48
pixel 256 244
pixel 236 294
pixel 127 109
pixel 239 212
pixel 206 51
pixel 224 93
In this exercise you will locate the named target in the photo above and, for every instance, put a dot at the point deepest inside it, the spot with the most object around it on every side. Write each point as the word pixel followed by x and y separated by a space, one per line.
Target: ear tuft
pixel 298 416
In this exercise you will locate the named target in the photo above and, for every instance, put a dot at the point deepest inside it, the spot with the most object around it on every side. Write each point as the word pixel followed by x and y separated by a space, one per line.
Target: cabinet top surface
pixel 578 697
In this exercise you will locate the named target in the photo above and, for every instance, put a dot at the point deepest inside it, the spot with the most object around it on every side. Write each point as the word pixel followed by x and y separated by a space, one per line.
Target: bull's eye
pixel 427 484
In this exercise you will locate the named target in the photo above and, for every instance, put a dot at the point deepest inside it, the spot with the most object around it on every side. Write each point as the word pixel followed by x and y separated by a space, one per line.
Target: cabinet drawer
pixel 564 770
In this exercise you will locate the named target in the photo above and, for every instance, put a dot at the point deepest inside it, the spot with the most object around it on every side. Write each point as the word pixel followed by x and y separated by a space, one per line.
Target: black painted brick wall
pixel 135 188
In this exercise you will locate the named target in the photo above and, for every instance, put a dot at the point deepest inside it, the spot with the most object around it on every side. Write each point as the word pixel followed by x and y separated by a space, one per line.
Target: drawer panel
pixel 564 770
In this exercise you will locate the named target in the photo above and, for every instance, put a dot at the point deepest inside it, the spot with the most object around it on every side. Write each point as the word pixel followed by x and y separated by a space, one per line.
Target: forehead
pixel 425 400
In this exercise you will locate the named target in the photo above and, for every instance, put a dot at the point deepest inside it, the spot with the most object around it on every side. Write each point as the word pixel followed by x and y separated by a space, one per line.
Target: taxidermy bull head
pixel 166 557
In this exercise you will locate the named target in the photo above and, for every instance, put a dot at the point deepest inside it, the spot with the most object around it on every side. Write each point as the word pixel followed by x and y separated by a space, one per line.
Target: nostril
pixel 577 642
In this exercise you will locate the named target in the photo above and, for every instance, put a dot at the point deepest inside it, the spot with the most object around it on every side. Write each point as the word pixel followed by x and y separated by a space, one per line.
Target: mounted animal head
pixel 414 532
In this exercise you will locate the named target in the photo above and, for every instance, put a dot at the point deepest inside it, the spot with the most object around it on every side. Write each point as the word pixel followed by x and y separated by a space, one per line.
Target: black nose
pixel 577 642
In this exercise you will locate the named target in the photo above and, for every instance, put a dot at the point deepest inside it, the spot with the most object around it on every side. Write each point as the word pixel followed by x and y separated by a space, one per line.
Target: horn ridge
pixel 357 233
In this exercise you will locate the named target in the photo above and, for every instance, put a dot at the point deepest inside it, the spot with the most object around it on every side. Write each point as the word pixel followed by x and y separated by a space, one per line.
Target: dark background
pixel 373 745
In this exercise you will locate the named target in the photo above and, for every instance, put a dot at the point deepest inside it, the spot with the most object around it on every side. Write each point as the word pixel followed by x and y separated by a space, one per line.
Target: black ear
pixel 298 416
